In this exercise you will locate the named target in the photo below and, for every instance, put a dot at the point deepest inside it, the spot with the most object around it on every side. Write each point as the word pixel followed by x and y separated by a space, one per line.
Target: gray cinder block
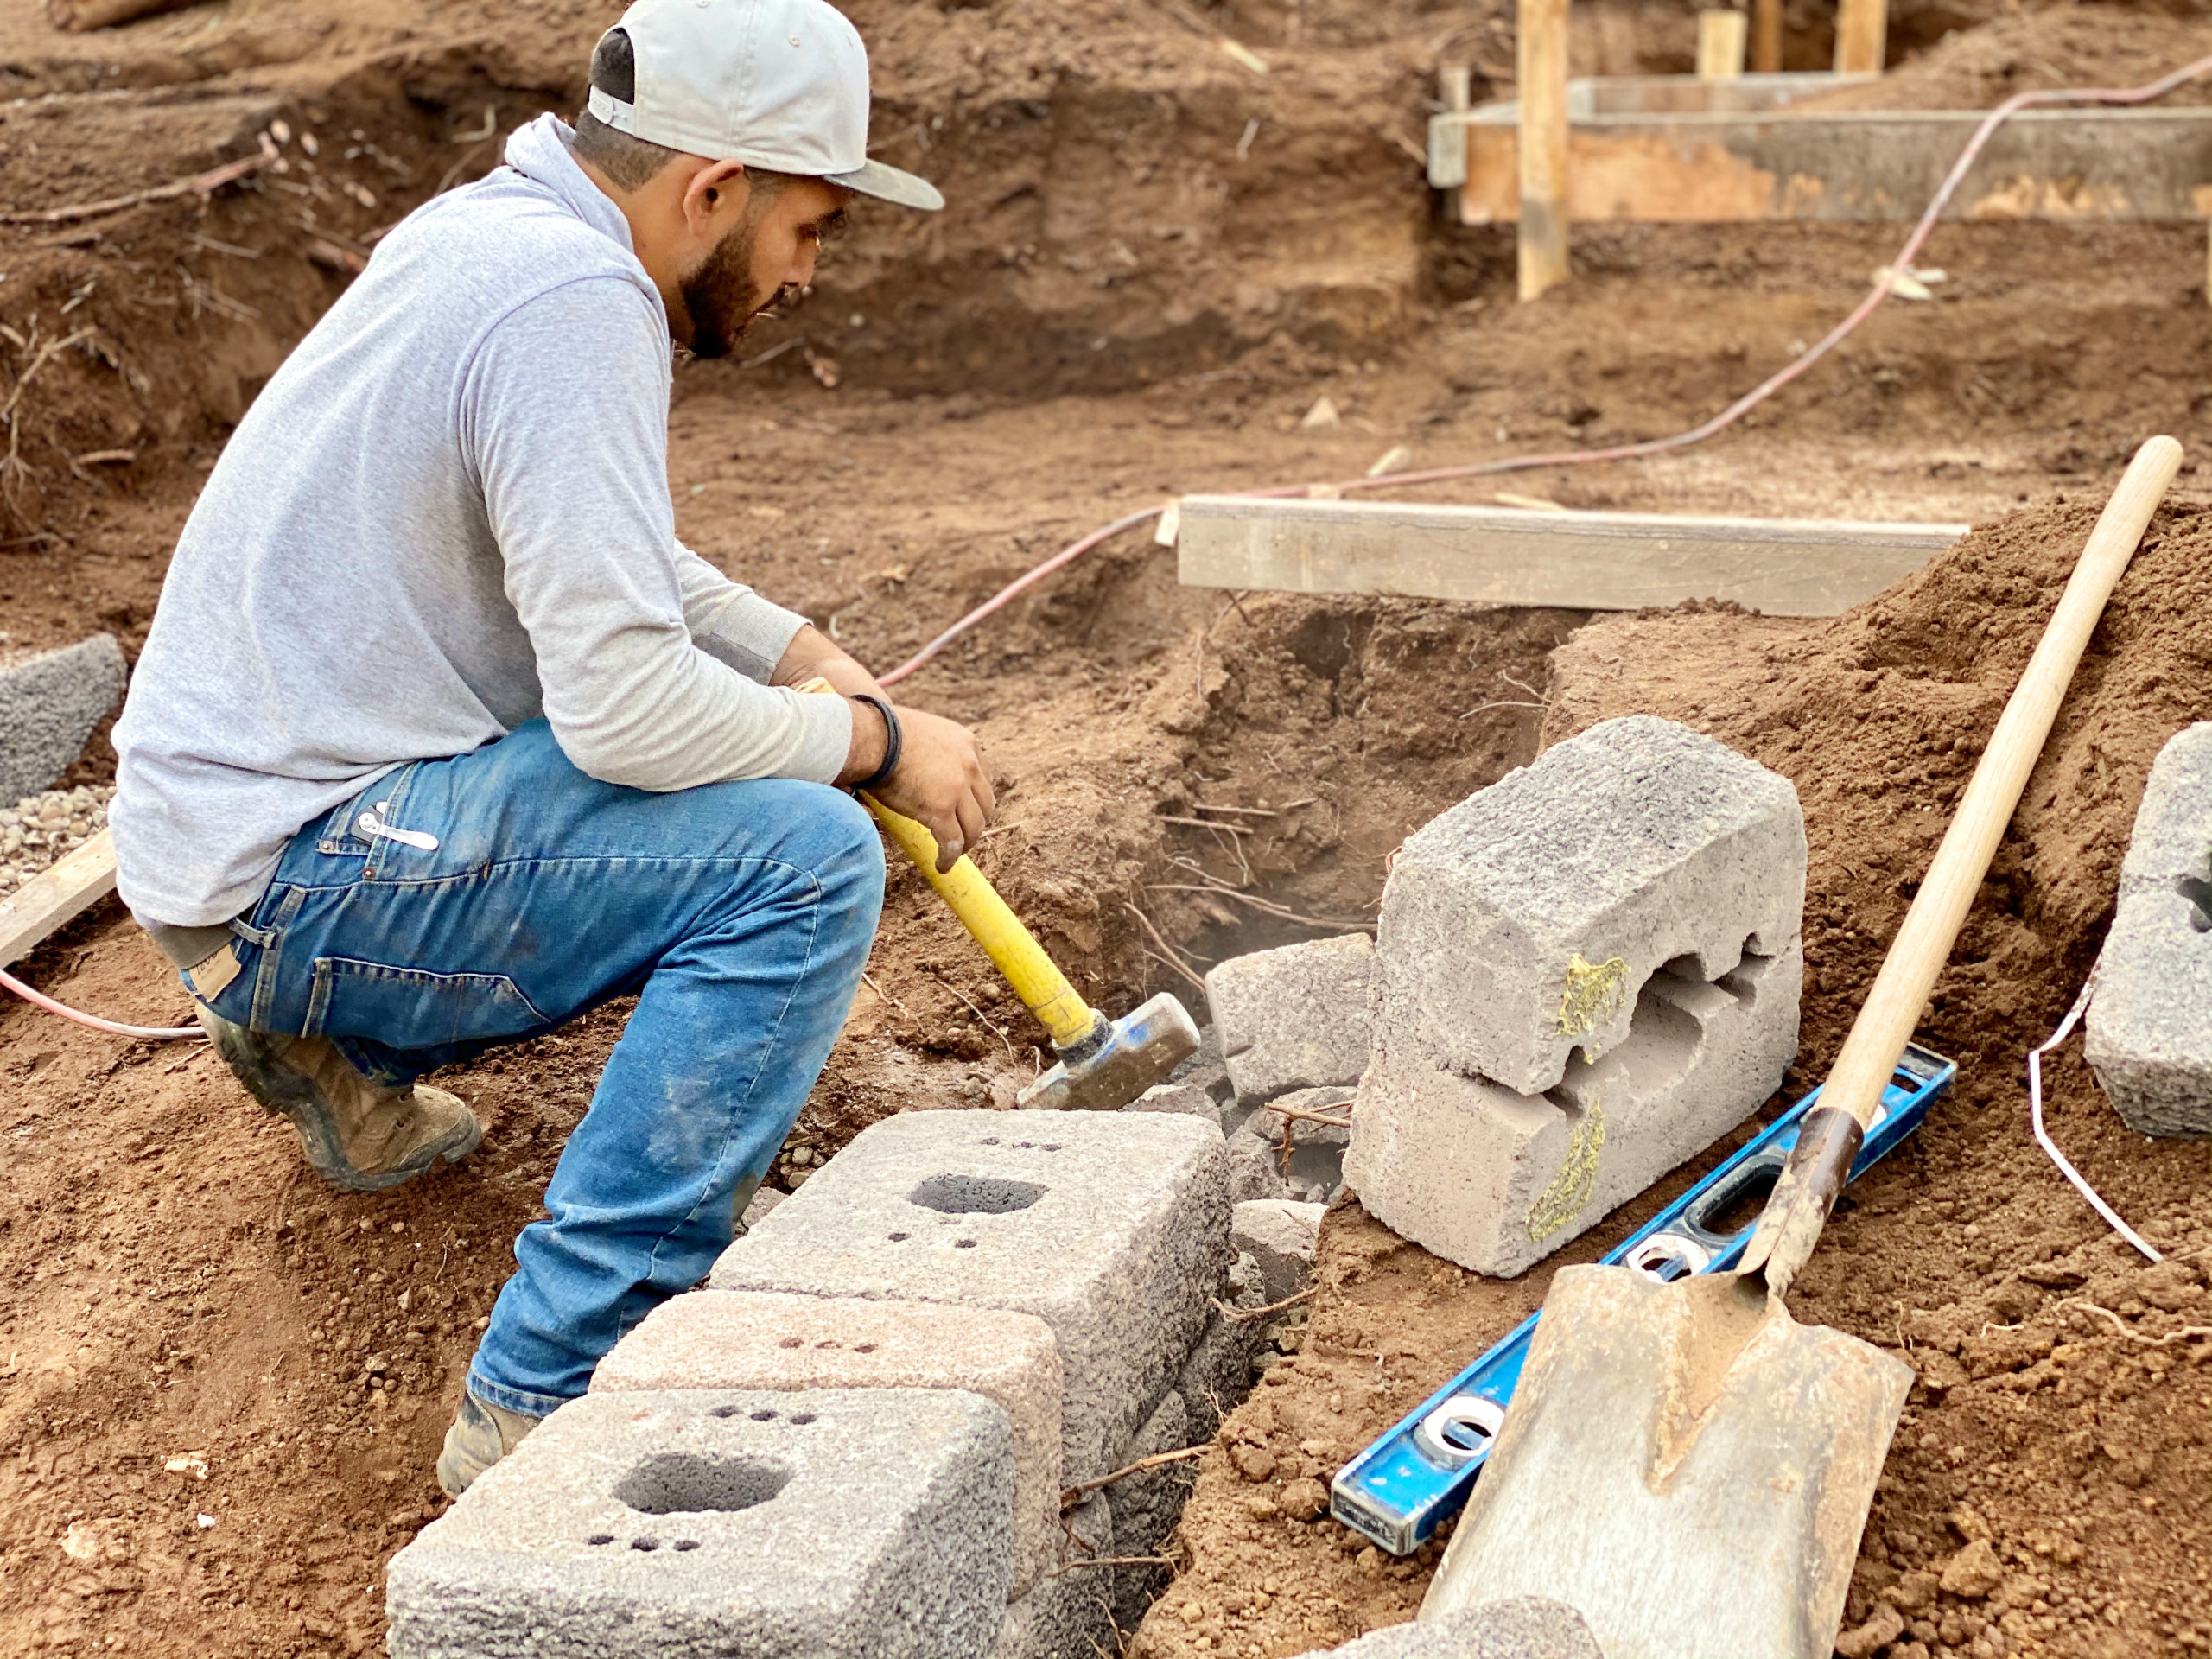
pixel 1520 925
pixel 1112 1227
pixel 1294 1017
pixel 1070 1614
pixel 767 1339
pixel 1218 1375
pixel 50 703
pixel 1496 1181
pixel 1145 1507
pixel 777 1526
pixel 1279 1235
pixel 1526 1627
pixel 2150 1023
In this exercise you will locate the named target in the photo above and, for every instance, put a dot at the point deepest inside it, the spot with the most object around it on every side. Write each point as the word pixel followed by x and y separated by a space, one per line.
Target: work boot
pixel 481 1434
pixel 360 1136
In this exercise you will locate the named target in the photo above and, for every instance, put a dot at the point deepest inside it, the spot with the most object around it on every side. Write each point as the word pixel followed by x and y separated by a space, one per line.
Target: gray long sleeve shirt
pixel 446 514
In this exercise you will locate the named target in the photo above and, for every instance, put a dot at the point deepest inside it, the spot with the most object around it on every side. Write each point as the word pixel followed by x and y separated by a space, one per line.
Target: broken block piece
pixel 766 1340
pixel 1295 1017
pixel 1520 925
pixel 50 703
pixel 1279 1235
pixel 850 1523
pixel 1110 1227
pixel 1496 1181
pixel 2150 1023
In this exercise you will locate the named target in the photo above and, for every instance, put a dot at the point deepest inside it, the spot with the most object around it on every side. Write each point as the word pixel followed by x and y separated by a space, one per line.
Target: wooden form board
pixel 1577 561
pixel 54 897
pixel 1732 166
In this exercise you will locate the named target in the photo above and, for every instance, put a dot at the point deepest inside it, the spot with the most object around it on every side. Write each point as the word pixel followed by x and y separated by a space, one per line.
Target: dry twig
pixel 1242 1314
pixel 2130 1331
pixel 1074 1495
pixel 1173 958
pixel 201 184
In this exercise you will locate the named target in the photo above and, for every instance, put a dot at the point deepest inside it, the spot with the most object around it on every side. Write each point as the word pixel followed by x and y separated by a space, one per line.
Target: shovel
pixel 1684 1464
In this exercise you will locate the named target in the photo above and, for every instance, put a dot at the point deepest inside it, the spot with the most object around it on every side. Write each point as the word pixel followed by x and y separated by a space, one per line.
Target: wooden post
pixel 1862 36
pixel 1541 56
pixel 1720 44
pixel 1455 90
pixel 1766 36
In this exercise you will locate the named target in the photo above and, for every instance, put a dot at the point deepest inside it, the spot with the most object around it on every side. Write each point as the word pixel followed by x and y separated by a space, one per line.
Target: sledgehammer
pixel 1104 1063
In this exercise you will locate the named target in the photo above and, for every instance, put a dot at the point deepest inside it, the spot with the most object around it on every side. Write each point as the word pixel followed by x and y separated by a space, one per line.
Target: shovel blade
pixel 1684 1465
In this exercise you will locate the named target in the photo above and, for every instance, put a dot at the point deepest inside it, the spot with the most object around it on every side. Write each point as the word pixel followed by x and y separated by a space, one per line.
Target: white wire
pixel 2042 1138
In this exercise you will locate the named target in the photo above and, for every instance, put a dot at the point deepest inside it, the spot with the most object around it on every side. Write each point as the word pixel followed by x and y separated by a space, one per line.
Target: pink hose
pixel 1728 418
pixel 145 1033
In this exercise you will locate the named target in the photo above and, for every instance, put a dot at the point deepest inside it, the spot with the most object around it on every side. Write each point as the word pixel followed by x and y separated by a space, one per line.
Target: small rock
pixel 1323 417
pixel 1916 1591
pixel 1255 1463
pixel 1883 1627
pixel 1304 1500
pixel 1974 1572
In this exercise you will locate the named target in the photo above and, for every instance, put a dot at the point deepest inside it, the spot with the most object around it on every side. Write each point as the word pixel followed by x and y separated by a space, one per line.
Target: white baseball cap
pixel 775 84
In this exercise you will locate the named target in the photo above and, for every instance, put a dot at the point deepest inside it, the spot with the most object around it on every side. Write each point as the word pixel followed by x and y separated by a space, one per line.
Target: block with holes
pixel 1110 1227
pixel 1496 1181
pixel 845 1522
pixel 2150 1025
pixel 769 1339
pixel 1520 926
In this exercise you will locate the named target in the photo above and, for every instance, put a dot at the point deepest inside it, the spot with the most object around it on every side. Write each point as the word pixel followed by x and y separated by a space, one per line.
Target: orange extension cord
pixel 1721 423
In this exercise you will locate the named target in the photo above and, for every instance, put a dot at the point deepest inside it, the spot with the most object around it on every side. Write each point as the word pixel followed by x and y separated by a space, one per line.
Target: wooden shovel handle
pixel 1794 1215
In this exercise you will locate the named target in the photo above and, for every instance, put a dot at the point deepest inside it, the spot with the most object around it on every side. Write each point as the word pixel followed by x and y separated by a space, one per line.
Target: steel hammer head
pixel 1117 1060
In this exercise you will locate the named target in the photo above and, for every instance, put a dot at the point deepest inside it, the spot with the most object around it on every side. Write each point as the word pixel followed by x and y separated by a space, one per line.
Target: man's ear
pixel 716 191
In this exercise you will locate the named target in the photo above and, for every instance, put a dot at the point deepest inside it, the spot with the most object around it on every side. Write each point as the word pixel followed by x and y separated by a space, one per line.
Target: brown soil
pixel 1118 305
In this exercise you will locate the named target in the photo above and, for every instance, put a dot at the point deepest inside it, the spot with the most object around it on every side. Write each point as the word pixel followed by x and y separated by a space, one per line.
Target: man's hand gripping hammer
pixel 1103 1064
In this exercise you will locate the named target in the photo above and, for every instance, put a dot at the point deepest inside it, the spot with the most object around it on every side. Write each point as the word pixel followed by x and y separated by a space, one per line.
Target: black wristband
pixel 893 741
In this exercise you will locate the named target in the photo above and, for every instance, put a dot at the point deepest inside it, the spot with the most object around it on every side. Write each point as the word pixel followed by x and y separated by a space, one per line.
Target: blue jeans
pixel 740 915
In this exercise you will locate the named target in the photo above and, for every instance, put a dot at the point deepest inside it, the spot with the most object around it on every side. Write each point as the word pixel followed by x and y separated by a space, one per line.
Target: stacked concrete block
pixel 1111 1227
pixel 1279 1235
pixel 2150 1024
pixel 50 703
pixel 1145 1507
pixel 1585 974
pixel 1294 1018
pixel 1526 1627
pixel 764 1339
pixel 1070 1612
pixel 1217 1374
pixel 772 1525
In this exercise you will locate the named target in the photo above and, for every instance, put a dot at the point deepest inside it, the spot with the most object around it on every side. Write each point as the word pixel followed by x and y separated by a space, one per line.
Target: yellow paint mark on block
pixel 1593 995
pixel 1562 1200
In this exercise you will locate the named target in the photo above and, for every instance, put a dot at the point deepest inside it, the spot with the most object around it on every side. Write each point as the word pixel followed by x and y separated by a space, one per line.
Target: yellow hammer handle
pixel 1041 985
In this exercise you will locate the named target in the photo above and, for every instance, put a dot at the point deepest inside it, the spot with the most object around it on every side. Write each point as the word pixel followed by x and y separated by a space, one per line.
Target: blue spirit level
pixel 1420 1472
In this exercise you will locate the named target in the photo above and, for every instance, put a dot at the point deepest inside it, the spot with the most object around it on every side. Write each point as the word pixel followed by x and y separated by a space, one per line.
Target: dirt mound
pixel 2072 46
pixel 2078 1441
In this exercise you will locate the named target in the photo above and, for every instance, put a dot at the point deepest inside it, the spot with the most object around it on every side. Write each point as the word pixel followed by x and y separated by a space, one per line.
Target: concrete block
pixel 1496 1181
pixel 1206 1094
pixel 1218 1375
pixel 767 1339
pixel 1520 925
pixel 1279 1235
pixel 1069 1613
pixel 1147 1507
pixel 1319 1129
pixel 50 703
pixel 1294 1017
pixel 1526 1627
pixel 770 1525
pixel 2150 1024
pixel 1112 1227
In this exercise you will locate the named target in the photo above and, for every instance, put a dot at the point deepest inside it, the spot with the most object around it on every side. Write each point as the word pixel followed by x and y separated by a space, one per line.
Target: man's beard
pixel 721 296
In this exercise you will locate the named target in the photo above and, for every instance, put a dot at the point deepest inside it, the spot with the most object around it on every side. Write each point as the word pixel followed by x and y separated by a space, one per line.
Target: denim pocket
pixel 409 1008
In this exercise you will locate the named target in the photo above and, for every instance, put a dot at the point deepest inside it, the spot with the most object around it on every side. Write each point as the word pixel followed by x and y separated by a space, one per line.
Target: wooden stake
pixel 1862 34
pixel 1766 37
pixel 1541 56
pixel 1720 36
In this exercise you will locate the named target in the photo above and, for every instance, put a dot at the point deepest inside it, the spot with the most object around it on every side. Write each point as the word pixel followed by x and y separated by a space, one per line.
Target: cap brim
pixel 889 184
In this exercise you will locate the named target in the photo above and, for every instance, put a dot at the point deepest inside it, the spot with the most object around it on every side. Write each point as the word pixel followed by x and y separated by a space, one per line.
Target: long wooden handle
pixel 1829 1138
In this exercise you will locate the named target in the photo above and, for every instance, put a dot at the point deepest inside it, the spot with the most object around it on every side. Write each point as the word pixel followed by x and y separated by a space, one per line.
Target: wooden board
pixel 1578 561
pixel 56 896
pixel 1728 167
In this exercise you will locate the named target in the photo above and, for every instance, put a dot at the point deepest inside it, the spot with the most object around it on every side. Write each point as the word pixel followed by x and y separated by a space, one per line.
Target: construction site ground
pixel 222 1385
